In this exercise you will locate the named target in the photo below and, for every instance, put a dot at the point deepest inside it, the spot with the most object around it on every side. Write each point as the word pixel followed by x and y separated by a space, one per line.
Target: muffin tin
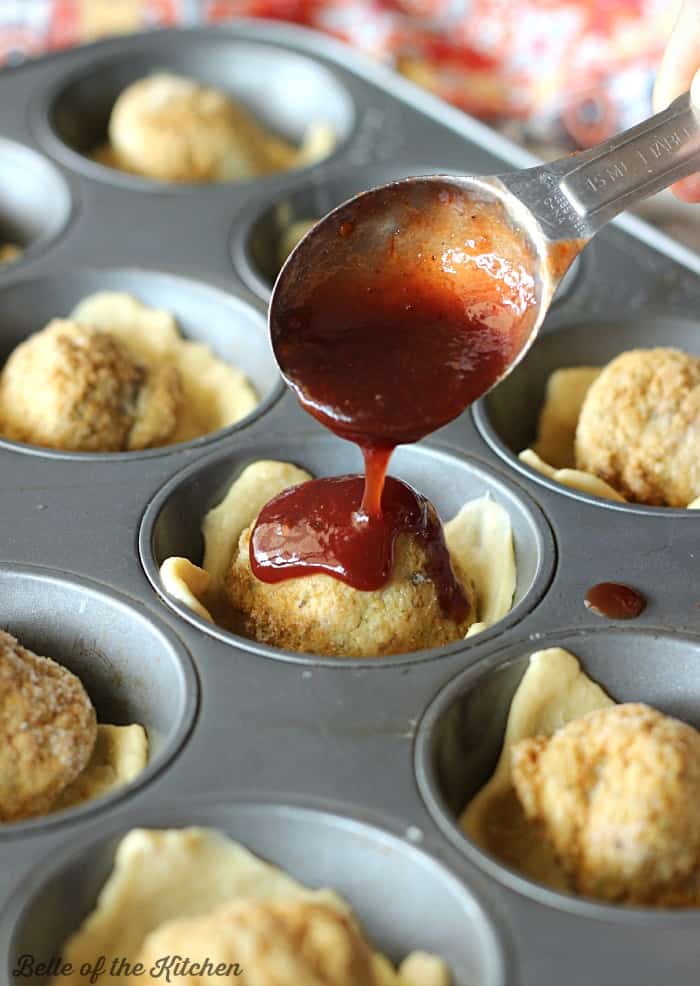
pixel 346 773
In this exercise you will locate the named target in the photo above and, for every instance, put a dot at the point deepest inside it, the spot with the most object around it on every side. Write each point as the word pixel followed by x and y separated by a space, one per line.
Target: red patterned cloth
pixel 567 70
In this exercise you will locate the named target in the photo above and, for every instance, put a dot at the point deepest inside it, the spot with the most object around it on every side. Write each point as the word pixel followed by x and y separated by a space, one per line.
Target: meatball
pixel 617 795
pixel 275 943
pixel 75 388
pixel 321 615
pixel 639 427
pixel 48 727
pixel 172 129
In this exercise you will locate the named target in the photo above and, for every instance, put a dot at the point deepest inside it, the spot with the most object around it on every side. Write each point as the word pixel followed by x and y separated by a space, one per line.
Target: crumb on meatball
pixel 617 795
pixel 319 614
pixel 171 128
pixel 48 727
pixel 277 942
pixel 79 389
pixel 639 427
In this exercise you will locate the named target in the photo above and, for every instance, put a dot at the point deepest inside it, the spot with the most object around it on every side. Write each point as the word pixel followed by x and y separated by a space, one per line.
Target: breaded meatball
pixel 274 943
pixel 617 795
pixel 171 128
pixel 48 730
pixel 321 615
pixel 639 427
pixel 76 388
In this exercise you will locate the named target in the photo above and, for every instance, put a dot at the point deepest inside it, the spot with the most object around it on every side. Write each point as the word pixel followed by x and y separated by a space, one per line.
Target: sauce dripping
pixel 615 601
pixel 418 308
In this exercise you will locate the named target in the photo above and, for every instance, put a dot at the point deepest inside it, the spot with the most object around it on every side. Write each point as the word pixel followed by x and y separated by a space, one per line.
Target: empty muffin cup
pixel 35 203
pixel 508 416
pixel 460 737
pixel 394 888
pixel 133 668
pixel 172 523
pixel 266 231
pixel 284 92
pixel 234 331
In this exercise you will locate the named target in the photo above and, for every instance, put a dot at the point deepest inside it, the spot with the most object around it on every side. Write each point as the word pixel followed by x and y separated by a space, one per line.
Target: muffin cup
pixel 35 203
pixel 393 887
pixel 586 344
pixel 234 330
pixel 460 737
pixel 172 523
pixel 284 91
pixel 134 669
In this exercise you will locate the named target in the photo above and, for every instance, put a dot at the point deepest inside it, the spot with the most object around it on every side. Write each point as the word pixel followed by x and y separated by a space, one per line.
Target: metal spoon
pixel 532 223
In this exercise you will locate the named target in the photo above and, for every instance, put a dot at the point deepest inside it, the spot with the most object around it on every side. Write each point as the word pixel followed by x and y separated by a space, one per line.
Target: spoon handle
pixel 574 196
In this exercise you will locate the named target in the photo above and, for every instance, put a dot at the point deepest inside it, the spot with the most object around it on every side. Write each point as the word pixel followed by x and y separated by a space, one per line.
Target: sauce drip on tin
pixel 320 526
pixel 615 601
pixel 413 315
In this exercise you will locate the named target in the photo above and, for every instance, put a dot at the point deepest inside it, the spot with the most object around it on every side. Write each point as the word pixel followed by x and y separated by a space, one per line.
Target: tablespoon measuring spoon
pixel 364 316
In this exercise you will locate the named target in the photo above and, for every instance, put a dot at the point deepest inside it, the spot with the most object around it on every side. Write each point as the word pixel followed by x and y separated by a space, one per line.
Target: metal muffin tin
pixel 346 773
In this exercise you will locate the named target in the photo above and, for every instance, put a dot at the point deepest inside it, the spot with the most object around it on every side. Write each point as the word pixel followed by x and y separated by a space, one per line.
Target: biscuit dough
pixel 118 757
pixel 553 691
pixel 172 128
pixel 645 442
pixel 479 540
pixel 556 428
pixel 166 875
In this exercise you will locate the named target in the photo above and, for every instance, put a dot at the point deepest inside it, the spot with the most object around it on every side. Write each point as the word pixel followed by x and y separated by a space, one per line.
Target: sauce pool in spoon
pixel 415 308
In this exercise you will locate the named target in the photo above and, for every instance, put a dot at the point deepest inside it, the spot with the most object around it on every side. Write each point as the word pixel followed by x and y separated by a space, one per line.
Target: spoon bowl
pixel 407 302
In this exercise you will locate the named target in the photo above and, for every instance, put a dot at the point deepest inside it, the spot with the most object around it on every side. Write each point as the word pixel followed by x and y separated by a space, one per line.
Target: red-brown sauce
pixel 615 601
pixel 421 303
pixel 320 526
pixel 561 256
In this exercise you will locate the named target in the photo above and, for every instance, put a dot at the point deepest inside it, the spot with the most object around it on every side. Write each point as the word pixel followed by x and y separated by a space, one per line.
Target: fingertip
pixel 667 86
pixel 681 58
pixel 688 190
pixel 695 91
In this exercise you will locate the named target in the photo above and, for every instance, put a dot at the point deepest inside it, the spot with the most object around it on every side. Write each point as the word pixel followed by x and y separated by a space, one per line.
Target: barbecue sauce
pixel 320 526
pixel 615 601
pixel 413 314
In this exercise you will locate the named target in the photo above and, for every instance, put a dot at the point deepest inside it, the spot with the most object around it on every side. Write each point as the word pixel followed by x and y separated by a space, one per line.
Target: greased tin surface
pixel 347 773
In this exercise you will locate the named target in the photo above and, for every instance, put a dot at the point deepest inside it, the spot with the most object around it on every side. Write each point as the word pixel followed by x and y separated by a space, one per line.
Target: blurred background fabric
pixel 552 74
